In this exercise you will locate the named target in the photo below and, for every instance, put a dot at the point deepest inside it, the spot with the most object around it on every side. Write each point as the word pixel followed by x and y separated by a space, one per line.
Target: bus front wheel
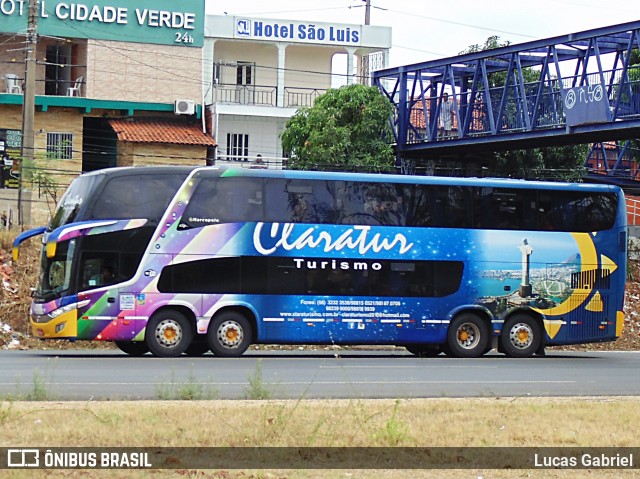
pixel 229 334
pixel 468 336
pixel 133 348
pixel 168 334
pixel 521 336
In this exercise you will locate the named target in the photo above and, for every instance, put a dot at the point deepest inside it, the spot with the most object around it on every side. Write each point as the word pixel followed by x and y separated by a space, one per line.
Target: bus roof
pixel 137 170
pixel 411 179
pixel 224 171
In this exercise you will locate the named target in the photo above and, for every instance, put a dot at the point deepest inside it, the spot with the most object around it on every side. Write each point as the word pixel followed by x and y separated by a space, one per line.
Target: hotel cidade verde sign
pixel 298 32
pixel 164 22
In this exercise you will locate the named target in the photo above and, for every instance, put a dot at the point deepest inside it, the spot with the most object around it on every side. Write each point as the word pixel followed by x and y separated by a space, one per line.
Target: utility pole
pixel 28 103
pixel 364 71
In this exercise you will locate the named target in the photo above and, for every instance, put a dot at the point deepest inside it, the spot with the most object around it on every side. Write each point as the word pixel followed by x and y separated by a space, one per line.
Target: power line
pixel 453 22
pixel 277 12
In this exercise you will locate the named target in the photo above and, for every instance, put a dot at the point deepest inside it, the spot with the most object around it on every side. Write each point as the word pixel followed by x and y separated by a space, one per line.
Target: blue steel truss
pixel 526 110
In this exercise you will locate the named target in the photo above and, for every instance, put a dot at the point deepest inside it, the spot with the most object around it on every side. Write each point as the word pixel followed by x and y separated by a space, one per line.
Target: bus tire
pixel 521 336
pixel 168 334
pixel 230 334
pixel 133 348
pixel 468 336
pixel 424 350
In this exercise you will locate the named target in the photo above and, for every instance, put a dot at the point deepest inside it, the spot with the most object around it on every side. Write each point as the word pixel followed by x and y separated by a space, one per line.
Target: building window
pixel 57 69
pixel 60 146
pixel 237 147
pixel 244 73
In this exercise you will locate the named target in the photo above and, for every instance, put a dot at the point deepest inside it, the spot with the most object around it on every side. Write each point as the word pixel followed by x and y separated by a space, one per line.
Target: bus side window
pixel 98 271
pixel 277 199
pixel 246 199
pixel 545 217
pixel 555 211
pixel 454 207
pixel 418 201
pixel 357 204
pixel 201 206
pixel 299 209
pixel 594 212
pixel 218 200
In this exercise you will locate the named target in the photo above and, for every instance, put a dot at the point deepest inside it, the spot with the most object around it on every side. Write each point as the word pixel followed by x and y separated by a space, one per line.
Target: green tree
pixel 553 163
pixel 346 129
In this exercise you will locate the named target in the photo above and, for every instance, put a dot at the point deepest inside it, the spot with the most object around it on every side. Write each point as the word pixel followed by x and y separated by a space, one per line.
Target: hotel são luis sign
pixel 298 32
pixel 164 22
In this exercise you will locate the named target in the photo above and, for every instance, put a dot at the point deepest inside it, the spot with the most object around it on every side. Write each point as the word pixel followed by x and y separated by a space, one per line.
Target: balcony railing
pixel 246 94
pixel 264 95
pixel 301 96
pixel 73 87
pixel 15 84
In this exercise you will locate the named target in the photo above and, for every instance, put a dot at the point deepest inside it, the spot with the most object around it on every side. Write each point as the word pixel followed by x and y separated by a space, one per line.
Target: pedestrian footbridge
pixel 578 88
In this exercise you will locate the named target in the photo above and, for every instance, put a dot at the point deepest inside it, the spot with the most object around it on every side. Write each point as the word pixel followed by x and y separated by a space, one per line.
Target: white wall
pixel 264 134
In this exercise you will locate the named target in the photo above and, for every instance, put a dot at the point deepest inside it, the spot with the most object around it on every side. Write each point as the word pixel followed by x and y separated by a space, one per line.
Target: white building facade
pixel 258 72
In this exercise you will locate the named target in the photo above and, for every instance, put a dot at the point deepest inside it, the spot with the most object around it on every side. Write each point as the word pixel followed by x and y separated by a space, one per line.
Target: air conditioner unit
pixel 184 107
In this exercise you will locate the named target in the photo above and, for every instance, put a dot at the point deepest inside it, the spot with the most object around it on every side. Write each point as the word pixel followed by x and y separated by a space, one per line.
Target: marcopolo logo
pixel 23 458
pixel 243 28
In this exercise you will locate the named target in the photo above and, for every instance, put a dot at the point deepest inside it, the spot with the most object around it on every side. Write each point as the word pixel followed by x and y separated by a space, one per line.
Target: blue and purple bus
pixel 184 260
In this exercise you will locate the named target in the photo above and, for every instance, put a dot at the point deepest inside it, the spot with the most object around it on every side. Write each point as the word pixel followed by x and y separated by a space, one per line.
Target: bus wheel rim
pixel 468 335
pixel 169 333
pixel 230 334
pixel 521 335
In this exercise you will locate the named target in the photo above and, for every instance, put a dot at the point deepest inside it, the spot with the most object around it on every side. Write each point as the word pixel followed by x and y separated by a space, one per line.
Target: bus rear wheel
pixel 133 348
pixel 521 336
pixel 230 334
pixel 168 334
pixel 468 336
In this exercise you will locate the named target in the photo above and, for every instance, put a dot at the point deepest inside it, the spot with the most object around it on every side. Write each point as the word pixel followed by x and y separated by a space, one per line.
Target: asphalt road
pixel 86 375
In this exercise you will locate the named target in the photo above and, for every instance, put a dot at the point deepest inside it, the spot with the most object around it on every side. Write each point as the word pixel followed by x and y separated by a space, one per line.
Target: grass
pixel 39 390
pixel 596 422
pixel 191 390
pixel 257 388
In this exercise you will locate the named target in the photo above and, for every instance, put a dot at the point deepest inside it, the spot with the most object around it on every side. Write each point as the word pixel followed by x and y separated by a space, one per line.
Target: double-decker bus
pixel 177 260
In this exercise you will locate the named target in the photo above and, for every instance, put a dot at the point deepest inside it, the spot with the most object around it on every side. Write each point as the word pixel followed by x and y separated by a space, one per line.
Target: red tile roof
pixel 154 130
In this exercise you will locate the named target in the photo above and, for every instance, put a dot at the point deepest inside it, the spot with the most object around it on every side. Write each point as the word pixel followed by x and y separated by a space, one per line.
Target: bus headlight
pixel 65 309
pixel 60 327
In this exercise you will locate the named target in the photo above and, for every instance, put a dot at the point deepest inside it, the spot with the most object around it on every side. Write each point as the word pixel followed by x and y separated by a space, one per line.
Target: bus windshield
pixel 72 201
pixel 55 273
pixel 138 194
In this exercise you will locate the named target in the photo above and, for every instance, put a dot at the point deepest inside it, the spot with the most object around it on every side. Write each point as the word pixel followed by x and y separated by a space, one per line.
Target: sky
pixel 426 30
